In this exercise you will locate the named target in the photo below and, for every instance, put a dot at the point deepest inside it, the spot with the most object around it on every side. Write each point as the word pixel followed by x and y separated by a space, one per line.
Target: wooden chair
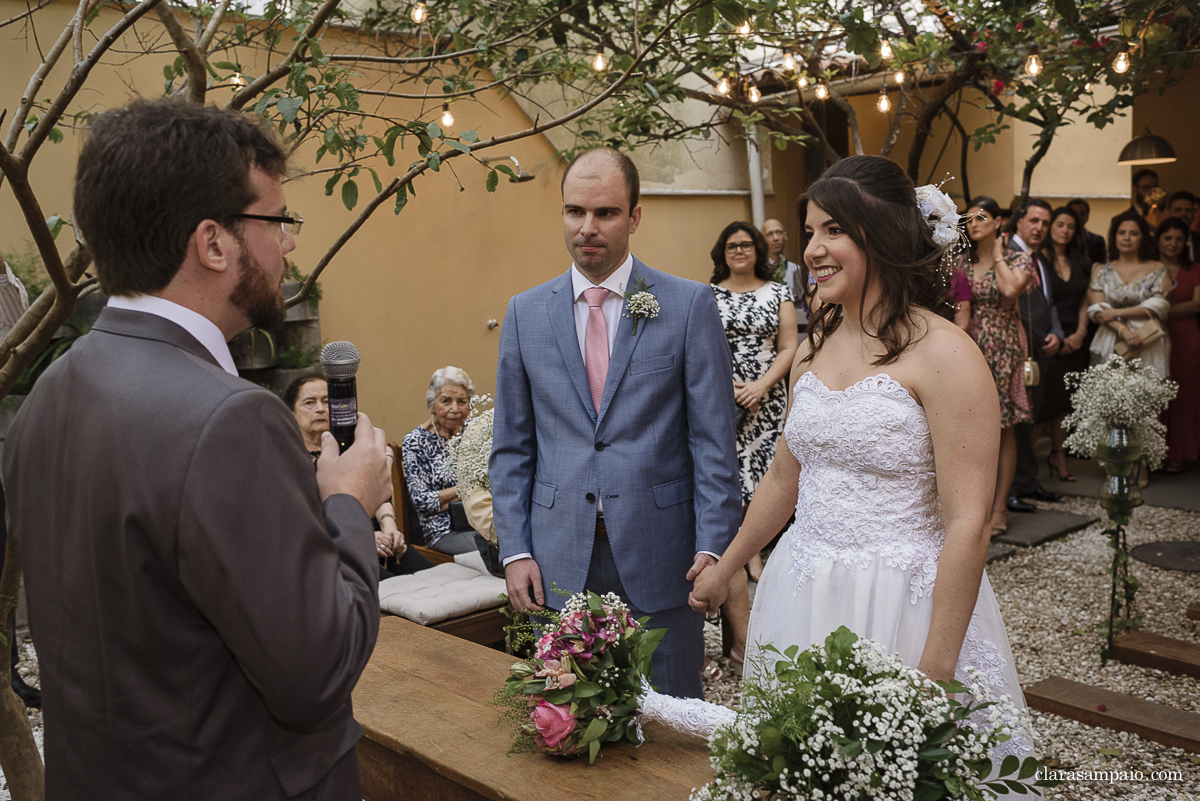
pixel 485 627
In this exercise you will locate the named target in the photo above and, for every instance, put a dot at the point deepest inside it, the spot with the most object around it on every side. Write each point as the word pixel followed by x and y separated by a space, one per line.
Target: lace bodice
pixel 867 484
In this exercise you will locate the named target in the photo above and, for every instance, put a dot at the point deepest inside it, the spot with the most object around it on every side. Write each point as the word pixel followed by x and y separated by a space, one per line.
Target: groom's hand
pixel 703 560
pixel 524 579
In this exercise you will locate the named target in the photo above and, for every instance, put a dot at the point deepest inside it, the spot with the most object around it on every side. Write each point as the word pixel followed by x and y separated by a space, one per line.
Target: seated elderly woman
pixel 432 483
pixel 308 398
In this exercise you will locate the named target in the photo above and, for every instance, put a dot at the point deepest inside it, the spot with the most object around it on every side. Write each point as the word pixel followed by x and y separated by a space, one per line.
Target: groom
pixel 614 466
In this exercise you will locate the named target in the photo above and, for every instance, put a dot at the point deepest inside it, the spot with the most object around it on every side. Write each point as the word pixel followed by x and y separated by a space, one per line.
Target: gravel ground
pixel 1052 597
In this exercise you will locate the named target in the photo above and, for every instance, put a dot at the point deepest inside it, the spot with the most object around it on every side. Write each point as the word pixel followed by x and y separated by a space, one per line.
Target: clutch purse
pixel 1150 331
pixel 1032 373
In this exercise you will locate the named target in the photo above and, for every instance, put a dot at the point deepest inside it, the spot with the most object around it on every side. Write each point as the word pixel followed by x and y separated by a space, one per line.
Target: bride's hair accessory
pixel 940 213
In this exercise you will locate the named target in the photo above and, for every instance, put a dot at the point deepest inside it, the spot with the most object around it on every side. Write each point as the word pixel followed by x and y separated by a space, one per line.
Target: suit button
pixel 591 497
pixel 600 446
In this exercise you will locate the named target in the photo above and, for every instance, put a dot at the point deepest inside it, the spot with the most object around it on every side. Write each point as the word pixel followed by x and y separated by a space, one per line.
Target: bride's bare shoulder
pixel 946 348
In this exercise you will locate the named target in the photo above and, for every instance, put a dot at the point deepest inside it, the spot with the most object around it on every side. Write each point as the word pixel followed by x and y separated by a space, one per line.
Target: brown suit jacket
pixel 200 618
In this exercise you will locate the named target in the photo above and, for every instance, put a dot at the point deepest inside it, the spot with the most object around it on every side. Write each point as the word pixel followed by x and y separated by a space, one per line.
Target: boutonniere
pixel 640 303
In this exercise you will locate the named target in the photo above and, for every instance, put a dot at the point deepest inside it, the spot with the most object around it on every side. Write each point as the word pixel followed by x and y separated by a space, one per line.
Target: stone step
pixel 1028 530
pixel 1105 709
pixel 1159 652
pixel 1193 612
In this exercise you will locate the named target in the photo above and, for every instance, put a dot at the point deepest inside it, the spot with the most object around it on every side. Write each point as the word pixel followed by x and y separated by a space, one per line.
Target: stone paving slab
pixel 1179 491
pixel 996 552
pixel 1041 526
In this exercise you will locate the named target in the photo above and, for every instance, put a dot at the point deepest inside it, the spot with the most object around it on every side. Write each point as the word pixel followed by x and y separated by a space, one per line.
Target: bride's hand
pixel 709 591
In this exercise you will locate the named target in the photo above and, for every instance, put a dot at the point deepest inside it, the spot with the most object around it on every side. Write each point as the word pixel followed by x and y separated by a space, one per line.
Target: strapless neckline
pixel 871 382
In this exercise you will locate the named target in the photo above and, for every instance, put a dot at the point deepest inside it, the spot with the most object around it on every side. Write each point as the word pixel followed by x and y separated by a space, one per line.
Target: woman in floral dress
pixel 760 324
pixel 998 277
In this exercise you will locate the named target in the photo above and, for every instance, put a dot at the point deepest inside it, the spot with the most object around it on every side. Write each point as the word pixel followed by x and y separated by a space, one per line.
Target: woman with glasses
pixel 760 324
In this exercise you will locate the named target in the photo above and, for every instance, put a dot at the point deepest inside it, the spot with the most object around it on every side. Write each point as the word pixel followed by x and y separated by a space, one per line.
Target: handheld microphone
pixel 339 360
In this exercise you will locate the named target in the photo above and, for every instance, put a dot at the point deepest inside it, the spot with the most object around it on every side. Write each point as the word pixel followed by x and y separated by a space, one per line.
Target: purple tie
pixel 595 343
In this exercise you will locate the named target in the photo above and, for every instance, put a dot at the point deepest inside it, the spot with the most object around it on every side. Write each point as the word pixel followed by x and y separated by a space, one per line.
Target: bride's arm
pixel 959 395
pixel 773 503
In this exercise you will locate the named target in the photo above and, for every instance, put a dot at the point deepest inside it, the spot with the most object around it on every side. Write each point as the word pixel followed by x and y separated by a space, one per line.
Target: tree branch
pixel 16 169
pixel 213 24
pixel 260 84
pixel 26 13
pixel 79 76
pixel 852 119
pixel 34 86
pixel 197 80
pixel 893 134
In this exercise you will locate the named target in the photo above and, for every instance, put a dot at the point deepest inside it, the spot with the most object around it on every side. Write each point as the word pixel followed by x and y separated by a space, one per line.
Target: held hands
pixel 1051 345
pixel 363 471
pixel 710 588
pixel 524 579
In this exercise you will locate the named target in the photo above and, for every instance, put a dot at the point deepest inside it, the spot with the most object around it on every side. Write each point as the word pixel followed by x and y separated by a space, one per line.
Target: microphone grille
pixel 339 359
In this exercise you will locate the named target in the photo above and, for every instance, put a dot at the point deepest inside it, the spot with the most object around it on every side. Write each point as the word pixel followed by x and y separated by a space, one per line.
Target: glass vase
pixel 1121 456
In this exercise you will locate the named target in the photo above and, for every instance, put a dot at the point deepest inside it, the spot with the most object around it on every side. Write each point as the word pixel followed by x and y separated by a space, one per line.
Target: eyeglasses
pixel 734 247
pixel 290 222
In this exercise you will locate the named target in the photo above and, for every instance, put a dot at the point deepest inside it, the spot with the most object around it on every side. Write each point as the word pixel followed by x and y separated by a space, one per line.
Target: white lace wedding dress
pixel 863 552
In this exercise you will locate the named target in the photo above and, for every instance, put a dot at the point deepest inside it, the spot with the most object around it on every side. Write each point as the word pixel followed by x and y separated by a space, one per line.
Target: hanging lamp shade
pixel 1147 149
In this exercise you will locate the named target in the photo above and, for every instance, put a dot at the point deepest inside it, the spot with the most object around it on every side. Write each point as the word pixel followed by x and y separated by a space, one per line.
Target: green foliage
pixel 27 266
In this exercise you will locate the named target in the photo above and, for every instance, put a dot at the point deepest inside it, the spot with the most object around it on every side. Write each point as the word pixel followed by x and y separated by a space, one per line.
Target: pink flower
pixel 997 87
pixel 1020 26
pixel 553 722
pixel 1079 43
pixel 552 667
pixel 981 47
pixel 566 679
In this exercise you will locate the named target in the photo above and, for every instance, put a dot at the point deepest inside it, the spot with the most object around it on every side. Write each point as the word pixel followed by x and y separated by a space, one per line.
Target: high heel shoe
pixel 737 660
pixel 1059 468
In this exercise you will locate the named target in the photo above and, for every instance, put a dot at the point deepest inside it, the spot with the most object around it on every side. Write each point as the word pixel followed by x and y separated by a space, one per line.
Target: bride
pixel 895 422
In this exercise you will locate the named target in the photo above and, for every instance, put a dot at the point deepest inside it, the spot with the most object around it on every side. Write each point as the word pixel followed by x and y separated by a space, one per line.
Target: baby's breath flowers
pixel 472 447
pixel 848 721
pixel 1118 393
pixel 640 303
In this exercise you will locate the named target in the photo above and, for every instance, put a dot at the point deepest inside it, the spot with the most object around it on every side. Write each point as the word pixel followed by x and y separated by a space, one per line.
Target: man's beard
pixel 254 295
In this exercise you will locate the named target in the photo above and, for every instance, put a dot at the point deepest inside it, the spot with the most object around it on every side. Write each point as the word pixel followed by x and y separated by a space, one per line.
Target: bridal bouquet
pixel 849 721
pixel 1121 393
pixel 580 689
pixel 472 447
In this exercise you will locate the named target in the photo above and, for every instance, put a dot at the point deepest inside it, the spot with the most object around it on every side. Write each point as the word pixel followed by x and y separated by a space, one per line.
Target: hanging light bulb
pixel 1087 87
pixel 1033 65
pixel 744 29
pixel 1121 63
pixel 789 63
pixel 802 81
pixel 447 117
pixel 723 87
pixel 238 79
pixel 822 91
pixel 899 77
pixel 885 50
pixel 598 62
pixel 884 104
pixel 754 94
pixel 419 13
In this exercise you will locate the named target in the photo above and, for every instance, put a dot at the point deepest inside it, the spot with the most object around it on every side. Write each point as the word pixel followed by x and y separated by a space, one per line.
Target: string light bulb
pixel 789 62
pixel 598 63
pixel 822 91
pixel 1033 65
pixel 883 104
pixel 802 81
pixel 447 117
pixel 1121 63
pixel 723 87
pixel 419 13
pixel 238 79
pixel 754 94
pixel 744 29
pixel 1087 87
pixel 899 77
pixel 885 50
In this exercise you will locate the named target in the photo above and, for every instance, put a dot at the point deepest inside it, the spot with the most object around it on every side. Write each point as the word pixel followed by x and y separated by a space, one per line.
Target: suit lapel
pixel 560 309
pixel 626 340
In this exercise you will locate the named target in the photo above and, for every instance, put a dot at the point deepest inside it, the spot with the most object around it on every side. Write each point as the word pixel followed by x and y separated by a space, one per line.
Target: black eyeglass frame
pixel 291 222
pixel 734 247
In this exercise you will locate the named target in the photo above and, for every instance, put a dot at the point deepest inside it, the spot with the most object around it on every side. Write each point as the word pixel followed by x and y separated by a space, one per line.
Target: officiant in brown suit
pixel 202 602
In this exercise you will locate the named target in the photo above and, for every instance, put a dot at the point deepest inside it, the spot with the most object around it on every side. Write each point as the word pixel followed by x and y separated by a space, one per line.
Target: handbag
pixel 1030 370
pixel 1150 331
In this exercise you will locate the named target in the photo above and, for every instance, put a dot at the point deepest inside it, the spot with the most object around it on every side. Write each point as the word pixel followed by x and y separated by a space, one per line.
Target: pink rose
pixel 553 722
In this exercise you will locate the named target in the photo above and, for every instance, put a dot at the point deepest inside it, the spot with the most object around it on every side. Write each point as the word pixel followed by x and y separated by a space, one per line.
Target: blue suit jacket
pixel 661 452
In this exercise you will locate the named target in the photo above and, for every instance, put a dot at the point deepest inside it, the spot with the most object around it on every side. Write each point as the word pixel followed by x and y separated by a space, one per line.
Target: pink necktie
pixel 595 343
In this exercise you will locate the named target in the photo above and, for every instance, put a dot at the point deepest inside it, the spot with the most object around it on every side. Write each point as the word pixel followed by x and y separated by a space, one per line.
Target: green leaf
pixel 375 178
pixel 459 146
pixel 586 689
pixel 1029 767
pixel 433 130
pixel 593 750
pixel 596 728
pixel 331 183
pixel 55 224
pixel 288 108
pixel 55 135
pixel 852 749
pixel 349 194
pixel 469 136
pixel 228 66
pixel 493 180
pixel 1009 765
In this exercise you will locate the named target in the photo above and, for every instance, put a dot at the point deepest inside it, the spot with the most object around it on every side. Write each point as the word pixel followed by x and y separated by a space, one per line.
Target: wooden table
pixel 430 733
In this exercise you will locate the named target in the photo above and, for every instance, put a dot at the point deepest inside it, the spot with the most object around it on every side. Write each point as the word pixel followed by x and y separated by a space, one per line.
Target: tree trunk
pixel 19 757
pixel 925 120
pixel 1044 141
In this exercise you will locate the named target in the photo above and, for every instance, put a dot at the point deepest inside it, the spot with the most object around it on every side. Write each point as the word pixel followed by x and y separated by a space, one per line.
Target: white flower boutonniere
pixel 640 303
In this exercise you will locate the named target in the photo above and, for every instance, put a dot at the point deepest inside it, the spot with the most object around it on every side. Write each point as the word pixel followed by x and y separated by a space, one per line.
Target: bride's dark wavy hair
pixel 875 203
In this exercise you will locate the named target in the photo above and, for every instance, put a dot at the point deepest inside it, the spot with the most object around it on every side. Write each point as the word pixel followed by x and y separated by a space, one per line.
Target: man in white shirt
pixel 203 603
pixel 785 271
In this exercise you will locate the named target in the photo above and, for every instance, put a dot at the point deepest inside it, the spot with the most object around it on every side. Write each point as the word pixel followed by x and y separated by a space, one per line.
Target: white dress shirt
pixel 203 329
pixel 616 284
